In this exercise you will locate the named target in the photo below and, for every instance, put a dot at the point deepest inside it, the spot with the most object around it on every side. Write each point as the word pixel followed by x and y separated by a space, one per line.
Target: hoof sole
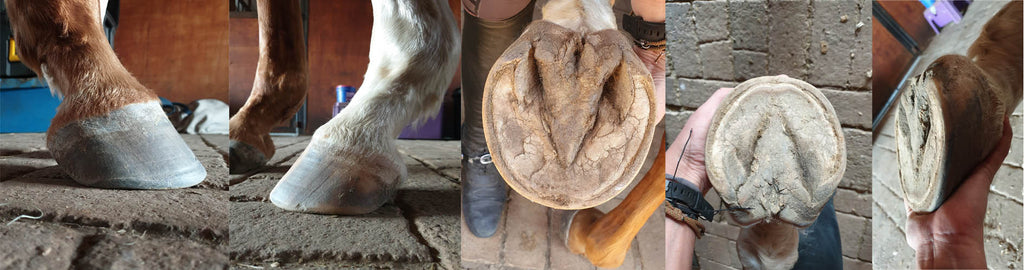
pixel 775 146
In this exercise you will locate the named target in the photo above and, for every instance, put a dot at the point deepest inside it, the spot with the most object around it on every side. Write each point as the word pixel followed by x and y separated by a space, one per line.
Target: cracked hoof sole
pixel 920 132
pixel 245 157
pixel 134 147
pixel 569 117
pixel 775 147
pixel 328 179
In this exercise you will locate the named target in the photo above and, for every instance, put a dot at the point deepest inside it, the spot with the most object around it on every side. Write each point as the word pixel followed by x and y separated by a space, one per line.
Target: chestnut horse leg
pixel 109 130
pixel 282 79
pixel 604 239
pixel 351 165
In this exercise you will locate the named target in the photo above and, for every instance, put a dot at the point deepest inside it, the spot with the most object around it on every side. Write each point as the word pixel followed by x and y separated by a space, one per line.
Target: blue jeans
pixel 820 246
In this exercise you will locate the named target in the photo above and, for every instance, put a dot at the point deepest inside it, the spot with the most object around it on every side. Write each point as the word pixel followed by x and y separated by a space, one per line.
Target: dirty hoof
pixel 569 116
pixel 245 157
pixel 134 147
pixel 340 179
pixel 946 123
pixel 775 147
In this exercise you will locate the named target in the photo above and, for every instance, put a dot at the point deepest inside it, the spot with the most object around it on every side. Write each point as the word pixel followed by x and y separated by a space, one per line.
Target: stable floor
pixel 51 222
pixel 417 230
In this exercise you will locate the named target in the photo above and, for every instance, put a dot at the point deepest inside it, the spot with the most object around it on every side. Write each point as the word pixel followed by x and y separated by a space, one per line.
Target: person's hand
pixel 679 238
pixel 691 166
pixel 953 235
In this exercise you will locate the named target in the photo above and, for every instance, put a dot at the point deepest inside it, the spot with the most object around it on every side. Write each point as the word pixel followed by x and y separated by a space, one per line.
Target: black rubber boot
pixel 484 192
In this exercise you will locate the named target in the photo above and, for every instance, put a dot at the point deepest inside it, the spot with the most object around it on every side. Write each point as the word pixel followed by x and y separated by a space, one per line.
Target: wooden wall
pixel 890 60
pixel 177 48
pixel 243 55
pixel 339 44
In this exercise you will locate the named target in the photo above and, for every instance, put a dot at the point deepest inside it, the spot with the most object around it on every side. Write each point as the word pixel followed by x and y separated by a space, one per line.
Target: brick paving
pixel 1003 220
pixel 716 44
pixel 531 237
pixel 417 230
pixel 65 224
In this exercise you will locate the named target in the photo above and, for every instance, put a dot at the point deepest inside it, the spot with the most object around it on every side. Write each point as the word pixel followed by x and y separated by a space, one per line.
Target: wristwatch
pixel 687 198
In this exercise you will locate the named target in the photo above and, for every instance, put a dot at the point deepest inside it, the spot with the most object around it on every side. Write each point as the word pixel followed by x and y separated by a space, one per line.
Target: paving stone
pixel 262 232
pixel 19 143
pixel 749 65
pixel 832 42
pixel 697 91
pixel 526 234
pixel 713 265
pixel 716 59
pixel 852 264
pixel 436 154
pixel 718 249
pixel 681 32
pixel 1016 152
pixel 860 71
pixel 748 25
pixel 560 256
pixel 788 38
pixel 433 204
pixel 853 108
pixel 193 212
pixel 482 251
pixel 284 141
pixel 895 253
pixel 118 251
pixel 851 202
pixel 1007 182
pixel 855 230
pixel 25 162
pixel 674 122
pixel 1003 232
pixel 219 142
pixel 652 256
pixel 36 245
pixel 722 229
pixel 858 160
pixel 712 19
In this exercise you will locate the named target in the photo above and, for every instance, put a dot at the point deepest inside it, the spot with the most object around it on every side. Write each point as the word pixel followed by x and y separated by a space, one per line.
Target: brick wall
pixel 715 44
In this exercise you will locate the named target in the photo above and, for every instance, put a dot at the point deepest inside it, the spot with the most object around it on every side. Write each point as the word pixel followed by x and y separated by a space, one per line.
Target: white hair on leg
pixel 583 16
pixel 414 51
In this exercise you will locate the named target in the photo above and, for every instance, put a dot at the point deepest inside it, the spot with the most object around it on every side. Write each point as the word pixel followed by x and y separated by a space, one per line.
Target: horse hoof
pixel 776 148
pixel 569 116
pixel 134 147
pixel 245 157
pixel 339 179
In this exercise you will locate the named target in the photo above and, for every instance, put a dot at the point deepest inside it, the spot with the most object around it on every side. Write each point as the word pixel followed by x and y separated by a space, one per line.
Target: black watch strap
pixel 642 30
pixel 687 199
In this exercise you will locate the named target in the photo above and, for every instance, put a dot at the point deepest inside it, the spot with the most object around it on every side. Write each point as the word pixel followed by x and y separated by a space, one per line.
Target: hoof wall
pixel 245 157
pixel 134 147
pixel 338 181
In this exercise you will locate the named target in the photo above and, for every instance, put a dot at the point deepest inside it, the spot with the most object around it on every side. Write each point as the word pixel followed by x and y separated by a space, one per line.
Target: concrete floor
pixel 1003 220
pixel 64 224
pixel 417 230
